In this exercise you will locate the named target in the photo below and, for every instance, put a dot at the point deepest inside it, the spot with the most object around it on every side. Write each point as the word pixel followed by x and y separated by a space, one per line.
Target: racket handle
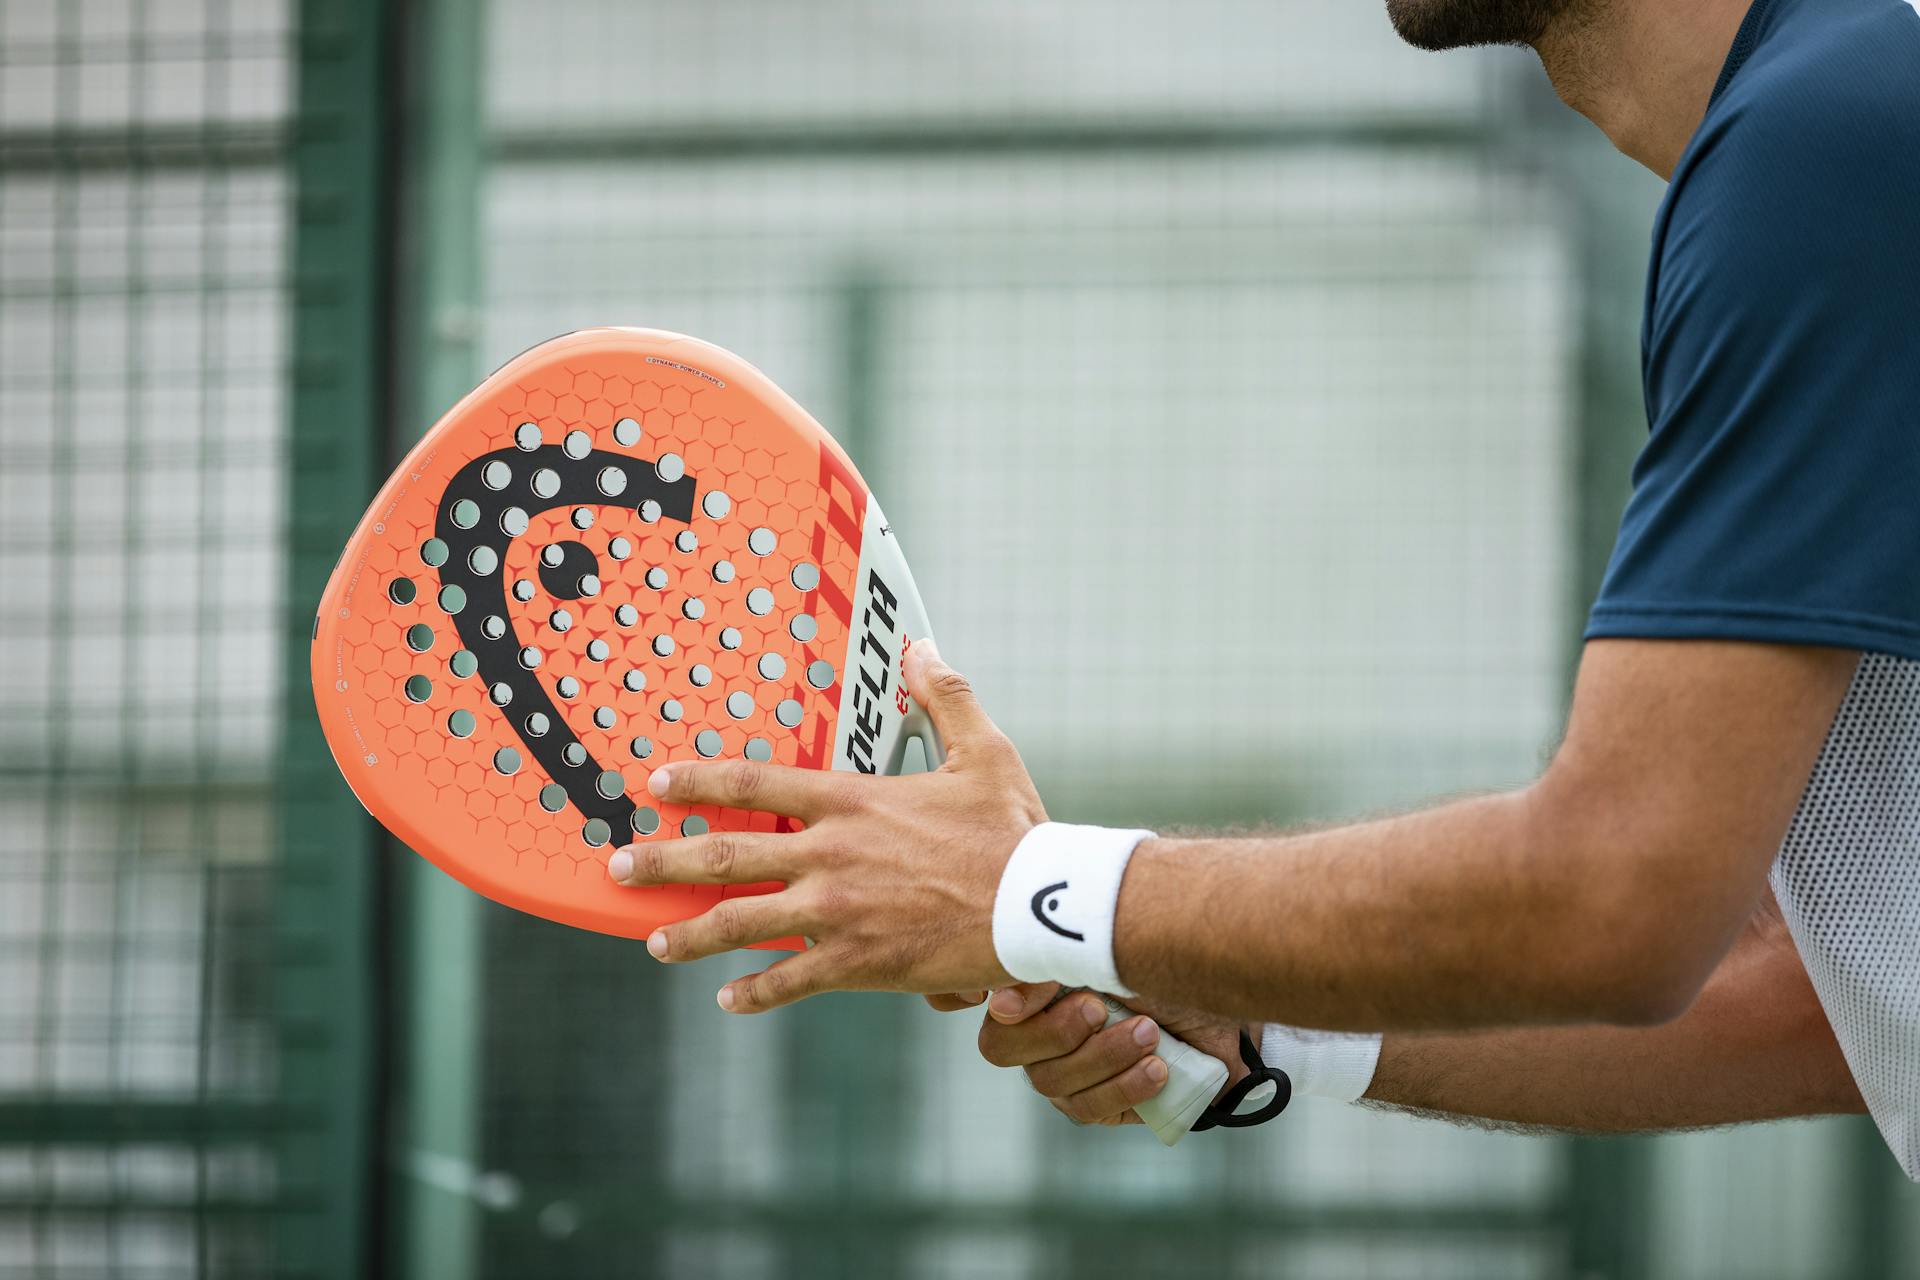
pixel 1194 1079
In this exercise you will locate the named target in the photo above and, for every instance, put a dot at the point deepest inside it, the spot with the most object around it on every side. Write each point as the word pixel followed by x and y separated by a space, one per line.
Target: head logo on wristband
pixel 1048 897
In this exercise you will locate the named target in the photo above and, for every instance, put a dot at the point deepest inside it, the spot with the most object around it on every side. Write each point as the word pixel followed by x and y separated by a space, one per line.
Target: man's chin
pixel 1458 24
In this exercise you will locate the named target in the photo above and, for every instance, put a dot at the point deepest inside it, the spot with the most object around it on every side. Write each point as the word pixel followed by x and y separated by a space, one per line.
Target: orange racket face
pixel 624 547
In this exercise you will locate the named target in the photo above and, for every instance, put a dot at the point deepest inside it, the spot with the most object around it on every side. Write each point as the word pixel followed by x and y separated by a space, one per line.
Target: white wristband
pixel 1053 914
pixel 1325 1064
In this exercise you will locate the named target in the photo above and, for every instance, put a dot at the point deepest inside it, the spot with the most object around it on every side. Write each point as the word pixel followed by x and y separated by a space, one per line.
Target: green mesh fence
pixel 155 1118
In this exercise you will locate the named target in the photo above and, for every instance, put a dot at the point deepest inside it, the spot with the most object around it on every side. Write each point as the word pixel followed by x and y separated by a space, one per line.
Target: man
pixel 1707 908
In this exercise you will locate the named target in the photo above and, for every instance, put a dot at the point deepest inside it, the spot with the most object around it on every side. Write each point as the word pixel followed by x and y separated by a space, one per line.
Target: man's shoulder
pixel 1809 157
pixel 1828 79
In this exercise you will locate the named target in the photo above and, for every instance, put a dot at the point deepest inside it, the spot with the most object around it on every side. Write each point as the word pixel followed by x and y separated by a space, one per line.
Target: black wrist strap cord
pixel 1222 1113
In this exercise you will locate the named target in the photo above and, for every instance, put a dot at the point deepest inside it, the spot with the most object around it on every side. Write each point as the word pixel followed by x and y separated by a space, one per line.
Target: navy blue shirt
pixel 1778 496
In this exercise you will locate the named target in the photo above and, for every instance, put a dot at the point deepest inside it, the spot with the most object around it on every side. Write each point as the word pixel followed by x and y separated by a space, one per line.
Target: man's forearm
pixel 1755 1046
pixel 1456 917
pixel 1608 891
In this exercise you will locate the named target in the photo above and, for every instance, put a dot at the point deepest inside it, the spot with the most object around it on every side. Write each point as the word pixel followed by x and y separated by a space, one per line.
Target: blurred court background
pixel 1254 394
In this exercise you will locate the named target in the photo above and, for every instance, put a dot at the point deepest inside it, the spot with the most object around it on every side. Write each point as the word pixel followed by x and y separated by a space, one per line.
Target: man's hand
pixel 892 879
pixel 1090 1075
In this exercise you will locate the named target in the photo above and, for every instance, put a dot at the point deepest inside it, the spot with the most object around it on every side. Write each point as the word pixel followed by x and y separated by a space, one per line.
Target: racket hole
pixel 694 609
pixel 619 549
pixel 597 650
pixel 461 724
pixel 507 761
pixel 546 482
pixel 729 638
pixel 626 615
pixel 596 832
pixel 803 628
pixel 759 750
pixel 663 646
pixel 560 620
pixel 402 591
pixel 739 705
pixel 452 599
pixel 805 577
pixel 573 754
pixel 788 713
pixel 567 687
pixel 582 518
pixel 693 825
pixel 523 591
pixel 496 475
pixel 611 481
pixel 671 711
pixel 820 673
pixel 463 663
pixel 588 585
pixel 537 725
pixel 603 717
pixel 553 797
pixel 576 444
pixel 760 602
pixel 670 467
pixel 483 561
pixel 707 743
pixel 657 578
pixel 716 504
pixel 723 571
pixel 646 820
pixel 634 681
pixel 771 666
pixel 419 637
pixel 493 626
pixel 762 541
pixel 526 437
pixel 641 748
pixel 626 431
pixel 649 512
pixel 418 688
pixel 610 785
pixel 700 675
pixel 529 657
pixel 514 522
pixel 433 553
pixel 465 513
pixel 552 555
pixel 501 693
pixel 686 542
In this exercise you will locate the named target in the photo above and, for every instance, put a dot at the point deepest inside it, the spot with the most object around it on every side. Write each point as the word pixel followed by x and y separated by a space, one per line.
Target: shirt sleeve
pixel 1778 495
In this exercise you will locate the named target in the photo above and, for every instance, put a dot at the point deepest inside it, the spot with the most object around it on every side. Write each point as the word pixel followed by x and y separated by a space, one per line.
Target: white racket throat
pixel 878 717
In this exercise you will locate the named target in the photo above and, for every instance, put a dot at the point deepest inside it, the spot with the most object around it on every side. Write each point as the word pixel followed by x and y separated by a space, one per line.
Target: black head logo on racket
pixel 1047 901
pixel 487 504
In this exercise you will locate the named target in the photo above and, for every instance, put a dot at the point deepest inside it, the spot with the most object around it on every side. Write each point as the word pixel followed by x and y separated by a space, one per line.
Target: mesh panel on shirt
pixel 1848 881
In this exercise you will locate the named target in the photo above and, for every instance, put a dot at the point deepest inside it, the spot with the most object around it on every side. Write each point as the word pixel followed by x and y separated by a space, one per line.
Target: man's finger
pixel 719 857
pixel 1125 1117
pixel 1050 1034
pixel 742 784
pixel 948 698
pixel 1106 1055
pixel 1109 1101
pixel 955 1001
pixel 1021 1000
pixel 728 925
pixel 798 976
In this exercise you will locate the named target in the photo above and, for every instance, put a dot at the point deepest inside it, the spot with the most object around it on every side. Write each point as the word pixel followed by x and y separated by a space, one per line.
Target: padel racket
pixel 624 547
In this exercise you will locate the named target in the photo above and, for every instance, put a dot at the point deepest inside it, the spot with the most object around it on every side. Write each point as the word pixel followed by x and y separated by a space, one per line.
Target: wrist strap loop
pixel 1222 1114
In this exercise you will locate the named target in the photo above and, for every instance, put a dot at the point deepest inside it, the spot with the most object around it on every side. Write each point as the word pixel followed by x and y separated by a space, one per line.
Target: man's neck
pixel 1642 69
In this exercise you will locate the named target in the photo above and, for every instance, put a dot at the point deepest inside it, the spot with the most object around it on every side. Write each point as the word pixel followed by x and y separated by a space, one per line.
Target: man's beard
pixel 1454 24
